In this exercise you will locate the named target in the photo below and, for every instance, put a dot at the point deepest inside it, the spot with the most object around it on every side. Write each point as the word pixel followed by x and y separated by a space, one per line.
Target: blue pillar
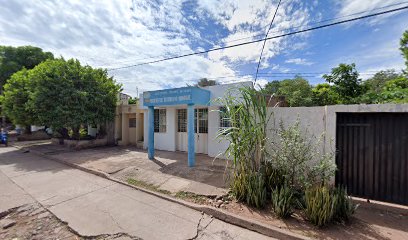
pixel 150 146
pixel 190 132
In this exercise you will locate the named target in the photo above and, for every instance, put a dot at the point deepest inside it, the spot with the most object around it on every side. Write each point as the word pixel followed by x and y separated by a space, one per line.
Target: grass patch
pixel 147 186
pixel 189 196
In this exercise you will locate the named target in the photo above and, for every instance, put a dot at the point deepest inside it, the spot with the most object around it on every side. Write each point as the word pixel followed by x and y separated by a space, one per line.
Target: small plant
pixel 147 186
pixel 256 192
pixel 282 201
pixel 344 206
pixel 320 205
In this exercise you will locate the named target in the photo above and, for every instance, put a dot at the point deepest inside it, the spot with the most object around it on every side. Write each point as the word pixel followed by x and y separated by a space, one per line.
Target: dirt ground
pixel 33 222
pixel 367 223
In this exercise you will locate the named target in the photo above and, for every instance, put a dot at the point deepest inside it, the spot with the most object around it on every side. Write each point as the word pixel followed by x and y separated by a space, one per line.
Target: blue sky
pixel 113 34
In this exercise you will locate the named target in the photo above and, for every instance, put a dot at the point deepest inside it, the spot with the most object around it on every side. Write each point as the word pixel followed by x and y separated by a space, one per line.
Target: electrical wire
pixel 268 38
pixel 263 46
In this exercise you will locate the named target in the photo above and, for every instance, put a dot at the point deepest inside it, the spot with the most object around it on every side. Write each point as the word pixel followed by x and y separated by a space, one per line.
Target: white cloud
pixel 299 61
pixel 347 7
pixel 104 33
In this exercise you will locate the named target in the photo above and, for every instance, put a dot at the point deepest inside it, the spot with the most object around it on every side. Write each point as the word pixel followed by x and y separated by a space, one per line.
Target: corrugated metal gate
pixel 372 155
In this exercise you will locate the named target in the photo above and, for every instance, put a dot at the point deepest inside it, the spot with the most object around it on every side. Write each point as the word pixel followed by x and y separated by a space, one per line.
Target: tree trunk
pixel 75 133
pixel 27 129
pixel 63 132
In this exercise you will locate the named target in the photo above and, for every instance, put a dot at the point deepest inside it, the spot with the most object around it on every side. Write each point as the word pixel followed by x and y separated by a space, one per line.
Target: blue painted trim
pixel 191 135
pixel 177 96
pixel 150 146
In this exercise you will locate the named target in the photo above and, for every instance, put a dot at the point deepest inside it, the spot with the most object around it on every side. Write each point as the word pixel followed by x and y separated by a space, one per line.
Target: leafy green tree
pixel 395 91
pixel 374 86
pixel 404 48
pixel 204 82
pixel 13 59
pixel 347 83
pixel 323 94
pixel 15 97
pixel 64 94
pixel 271 87
pixel 297 92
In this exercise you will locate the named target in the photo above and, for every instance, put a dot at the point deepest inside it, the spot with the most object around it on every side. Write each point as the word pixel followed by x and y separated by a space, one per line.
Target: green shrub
pixel 239 186
pixel 256 190
pixel 320 205
pixel 344 206
pixel 282 201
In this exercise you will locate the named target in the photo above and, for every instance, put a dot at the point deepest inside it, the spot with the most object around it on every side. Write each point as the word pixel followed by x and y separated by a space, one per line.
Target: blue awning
pixel 177 96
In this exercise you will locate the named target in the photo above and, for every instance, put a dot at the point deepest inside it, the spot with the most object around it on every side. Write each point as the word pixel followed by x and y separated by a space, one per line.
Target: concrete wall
pixel 321 121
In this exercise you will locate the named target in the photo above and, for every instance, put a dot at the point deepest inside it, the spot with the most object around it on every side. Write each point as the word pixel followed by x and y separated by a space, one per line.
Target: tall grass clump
pixel 320 205
pixel 282 201
pixel 247 136
pixel 345 207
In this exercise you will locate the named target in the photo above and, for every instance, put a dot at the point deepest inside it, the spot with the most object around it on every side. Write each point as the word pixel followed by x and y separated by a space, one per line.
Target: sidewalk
pixel 167 172
pixel 94 206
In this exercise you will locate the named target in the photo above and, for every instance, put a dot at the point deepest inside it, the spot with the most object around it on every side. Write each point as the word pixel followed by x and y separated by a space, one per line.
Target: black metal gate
pixel 372 155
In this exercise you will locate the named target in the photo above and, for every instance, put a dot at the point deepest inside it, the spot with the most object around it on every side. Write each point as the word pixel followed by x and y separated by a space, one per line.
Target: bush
pixel 256 190
pixel 299 159
pixel 344 206
pixel 320 205
pixel 282 201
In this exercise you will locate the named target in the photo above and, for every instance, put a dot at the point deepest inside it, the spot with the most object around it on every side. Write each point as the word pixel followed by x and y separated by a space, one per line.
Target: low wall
pixel 82 144
pixel 321 121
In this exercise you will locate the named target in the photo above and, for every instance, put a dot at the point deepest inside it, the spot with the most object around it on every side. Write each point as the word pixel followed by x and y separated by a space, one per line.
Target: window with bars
pixel 181 120
pixel 225 122
pixel 159 120
pixel 202 118
pixel 132 122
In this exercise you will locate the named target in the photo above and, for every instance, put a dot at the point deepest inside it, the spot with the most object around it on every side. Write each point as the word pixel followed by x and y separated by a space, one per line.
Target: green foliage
pixel 65 94
pixel 297 91
pixel 345 207
pixel 271 87
pixel 256 190
pixel 249 119
pixel 404 47
pixel 13 59
pixel 346 82
pixel 15 97
pixel 299 159
pixel 323 94
pixel 282 201
pixel 395 91
pixel 204 82
pixel 133 100
pixel 374 86
pixel 320 205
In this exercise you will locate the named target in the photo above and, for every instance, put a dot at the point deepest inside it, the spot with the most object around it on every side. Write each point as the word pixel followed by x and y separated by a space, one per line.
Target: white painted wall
pixel 321 121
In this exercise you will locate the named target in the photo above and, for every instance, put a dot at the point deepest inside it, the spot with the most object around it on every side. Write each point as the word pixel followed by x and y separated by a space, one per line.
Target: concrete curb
pixel 231 218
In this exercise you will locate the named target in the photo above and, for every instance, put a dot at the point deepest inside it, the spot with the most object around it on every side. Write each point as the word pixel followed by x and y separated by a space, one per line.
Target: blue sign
pixel 177 96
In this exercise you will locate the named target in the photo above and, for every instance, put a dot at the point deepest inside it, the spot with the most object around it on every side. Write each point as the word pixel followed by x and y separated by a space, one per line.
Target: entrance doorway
pixel 200 129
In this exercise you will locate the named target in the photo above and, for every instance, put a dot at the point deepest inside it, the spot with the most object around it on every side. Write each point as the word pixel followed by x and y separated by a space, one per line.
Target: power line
pixel 129 60
pixel 268 38
pixel 263 46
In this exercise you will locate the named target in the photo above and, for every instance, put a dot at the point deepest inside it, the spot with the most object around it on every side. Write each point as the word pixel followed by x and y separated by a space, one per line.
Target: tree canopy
pixel 13 59
pixel 404 48
pixel 323 94
pixel 62 94
pixel 15 98
pixel 346 82
pixel 204 82
pixel 297 91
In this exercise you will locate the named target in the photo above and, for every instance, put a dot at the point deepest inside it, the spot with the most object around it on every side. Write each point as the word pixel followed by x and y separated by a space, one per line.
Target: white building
pixel 170 117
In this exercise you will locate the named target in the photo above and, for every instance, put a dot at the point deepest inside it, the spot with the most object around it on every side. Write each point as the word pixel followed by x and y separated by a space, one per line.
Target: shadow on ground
pixel 114 159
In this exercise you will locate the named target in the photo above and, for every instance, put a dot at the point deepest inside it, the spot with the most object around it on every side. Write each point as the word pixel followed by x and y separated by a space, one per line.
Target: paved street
pixel 94 206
